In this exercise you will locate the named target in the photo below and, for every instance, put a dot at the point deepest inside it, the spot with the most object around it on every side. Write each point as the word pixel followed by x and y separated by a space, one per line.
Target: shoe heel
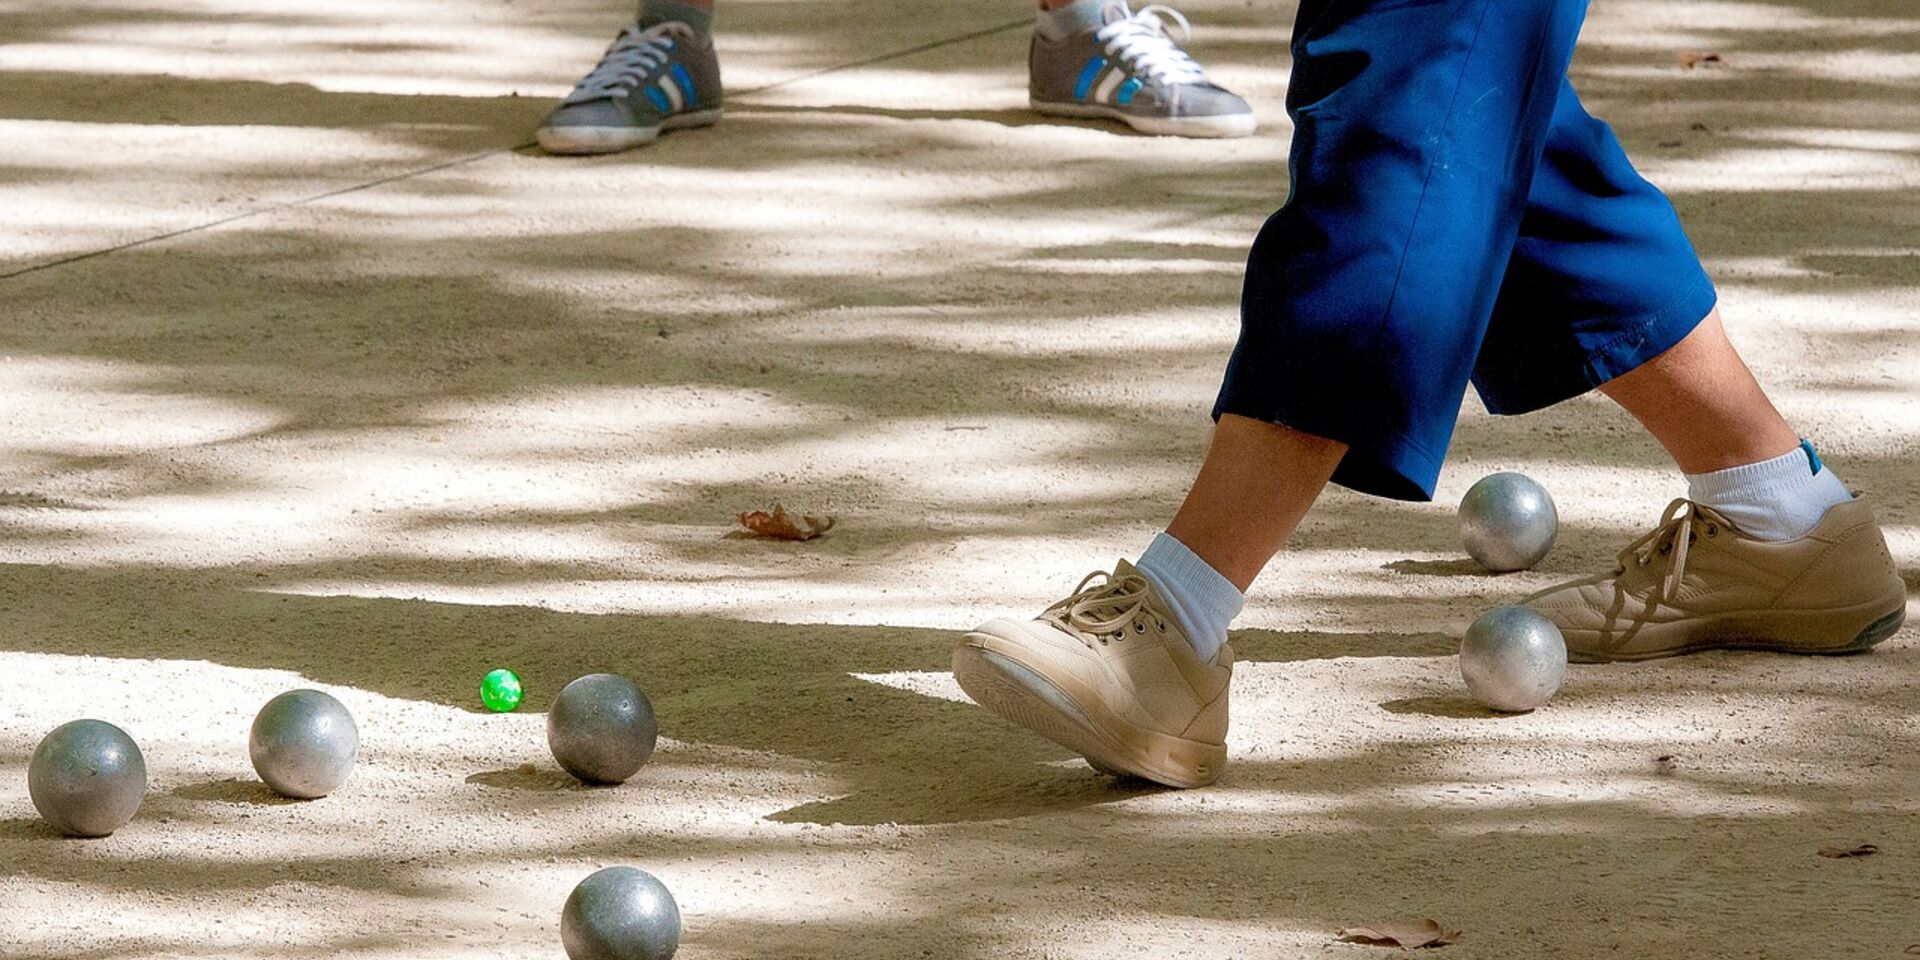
pixel 1878 631
pixel 1023 697
pixel 691 119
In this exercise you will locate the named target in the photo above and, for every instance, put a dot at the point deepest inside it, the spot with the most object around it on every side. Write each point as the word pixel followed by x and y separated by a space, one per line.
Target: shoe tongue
pixel 1115 12
pixel 1711 515
pixel 1125 569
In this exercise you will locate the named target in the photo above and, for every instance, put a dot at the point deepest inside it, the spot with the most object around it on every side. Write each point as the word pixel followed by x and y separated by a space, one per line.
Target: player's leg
pixel 1255 485
pixel 660 73
pixel 1769 551
pixel 1702 403
pixel 1417 128
pixel 1605 291
pixel 1098 58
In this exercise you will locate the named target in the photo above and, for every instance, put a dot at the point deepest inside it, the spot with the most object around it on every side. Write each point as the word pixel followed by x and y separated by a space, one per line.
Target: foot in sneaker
pixel 1107 674
pixel 652 79
pixel 1130 69
pixel 1696 582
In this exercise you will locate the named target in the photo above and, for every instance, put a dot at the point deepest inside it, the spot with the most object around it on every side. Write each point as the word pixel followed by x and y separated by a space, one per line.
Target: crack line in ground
pixel 447 164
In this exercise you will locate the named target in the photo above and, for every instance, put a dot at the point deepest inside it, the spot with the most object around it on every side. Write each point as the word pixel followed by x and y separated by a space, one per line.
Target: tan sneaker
pixel 1107 674
pixel 1698 583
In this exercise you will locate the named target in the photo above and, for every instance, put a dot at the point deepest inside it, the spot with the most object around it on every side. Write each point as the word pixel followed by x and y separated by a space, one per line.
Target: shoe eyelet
pixel 1162 624
pixel 1139 626
pixel 1712 529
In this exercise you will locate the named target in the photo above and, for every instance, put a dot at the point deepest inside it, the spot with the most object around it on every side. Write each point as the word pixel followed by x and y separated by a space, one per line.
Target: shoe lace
pixel 1104 610
pixel 1668 542
pixel 1142 40
pixel 634 56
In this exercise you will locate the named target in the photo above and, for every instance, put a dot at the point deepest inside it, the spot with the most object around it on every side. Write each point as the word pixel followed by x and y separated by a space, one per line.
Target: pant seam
pixel 1426 181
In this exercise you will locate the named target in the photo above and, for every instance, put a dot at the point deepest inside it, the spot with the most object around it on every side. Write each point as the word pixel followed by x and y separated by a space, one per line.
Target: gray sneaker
pixel 1130 69
pixel 652 79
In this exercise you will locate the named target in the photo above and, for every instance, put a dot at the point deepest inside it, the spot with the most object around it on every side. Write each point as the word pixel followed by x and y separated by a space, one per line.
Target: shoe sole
pixel 584 141
pixel 1750 631
pixel 1078 721
pixel 1225 126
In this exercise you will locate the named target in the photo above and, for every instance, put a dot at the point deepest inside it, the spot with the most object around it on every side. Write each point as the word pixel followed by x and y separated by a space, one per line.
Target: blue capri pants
pixel 1455 216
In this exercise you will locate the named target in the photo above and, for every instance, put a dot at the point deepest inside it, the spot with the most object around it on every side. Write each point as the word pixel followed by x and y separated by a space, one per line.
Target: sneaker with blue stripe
pixel 1132 70
pixel 651 79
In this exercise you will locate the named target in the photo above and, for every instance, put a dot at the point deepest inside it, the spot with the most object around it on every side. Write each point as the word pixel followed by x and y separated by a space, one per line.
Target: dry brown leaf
pixel 1695 58
pixel 779 524
pixel 1844 850
pixel 1405 934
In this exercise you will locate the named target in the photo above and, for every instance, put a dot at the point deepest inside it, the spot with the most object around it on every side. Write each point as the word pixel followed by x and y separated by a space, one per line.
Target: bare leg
pixel 1703 404
pixel 1256 483
pixel 1698 400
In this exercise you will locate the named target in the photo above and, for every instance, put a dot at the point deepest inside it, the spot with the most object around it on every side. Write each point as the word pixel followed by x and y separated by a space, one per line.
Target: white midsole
pixel 575 140
pixel 1224 125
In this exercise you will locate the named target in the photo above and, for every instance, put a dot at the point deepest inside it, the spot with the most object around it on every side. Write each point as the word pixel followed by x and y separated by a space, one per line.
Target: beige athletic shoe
pixel 1107 674
pixel 1697 583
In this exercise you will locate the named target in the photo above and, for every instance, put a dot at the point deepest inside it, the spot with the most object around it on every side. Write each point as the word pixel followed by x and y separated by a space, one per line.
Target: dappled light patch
pixel 382 435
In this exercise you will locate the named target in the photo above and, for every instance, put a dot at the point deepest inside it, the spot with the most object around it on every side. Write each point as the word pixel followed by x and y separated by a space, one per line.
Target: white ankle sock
pixel 1071 20
pixel 1201 600
pixel 1778 499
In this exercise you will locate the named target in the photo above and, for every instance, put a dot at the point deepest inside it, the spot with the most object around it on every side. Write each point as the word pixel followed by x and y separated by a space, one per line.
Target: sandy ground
pixel 428 404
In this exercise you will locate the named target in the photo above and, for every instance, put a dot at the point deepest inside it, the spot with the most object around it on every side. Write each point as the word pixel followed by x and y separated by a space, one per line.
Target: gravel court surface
pixel 435 403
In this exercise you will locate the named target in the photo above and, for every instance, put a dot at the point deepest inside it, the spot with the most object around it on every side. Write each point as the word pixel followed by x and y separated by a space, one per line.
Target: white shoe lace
pixel 1106 609
pixel 1679 526
pixel 634 56
pixel 1141 40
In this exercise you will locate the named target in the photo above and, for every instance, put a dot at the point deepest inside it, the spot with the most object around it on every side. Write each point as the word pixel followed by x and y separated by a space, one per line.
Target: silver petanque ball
pixel 1508 521
pixel 87 778
pixel 1513 659
pixel 620 913
pixel 601 728
pixel 303 744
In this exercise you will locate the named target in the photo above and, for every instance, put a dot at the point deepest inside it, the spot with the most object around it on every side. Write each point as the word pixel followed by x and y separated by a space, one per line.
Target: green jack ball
pixel 501 690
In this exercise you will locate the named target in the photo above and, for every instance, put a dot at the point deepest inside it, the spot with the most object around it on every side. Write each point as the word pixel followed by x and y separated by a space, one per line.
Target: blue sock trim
pixel 1813 459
